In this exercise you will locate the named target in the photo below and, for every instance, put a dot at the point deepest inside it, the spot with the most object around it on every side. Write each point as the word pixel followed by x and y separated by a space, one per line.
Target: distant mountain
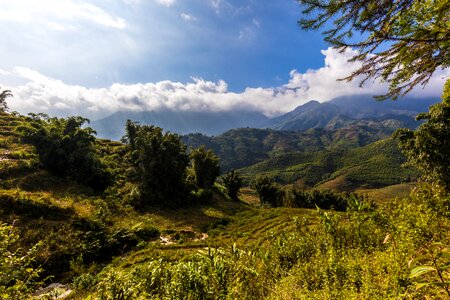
pixel 361 110
pixel 182 122
pixel 352 110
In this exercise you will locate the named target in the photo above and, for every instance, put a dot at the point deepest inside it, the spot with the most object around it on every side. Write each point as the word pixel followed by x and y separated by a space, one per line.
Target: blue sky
pixel 96 57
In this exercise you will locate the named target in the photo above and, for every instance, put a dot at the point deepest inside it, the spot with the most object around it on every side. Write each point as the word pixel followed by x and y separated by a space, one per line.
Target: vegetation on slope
pixel 244 147
pixel 372 166
pixel 216 247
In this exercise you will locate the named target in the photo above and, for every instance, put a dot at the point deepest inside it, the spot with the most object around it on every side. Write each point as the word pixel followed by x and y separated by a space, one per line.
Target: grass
pixel 388 193
pixel 257 226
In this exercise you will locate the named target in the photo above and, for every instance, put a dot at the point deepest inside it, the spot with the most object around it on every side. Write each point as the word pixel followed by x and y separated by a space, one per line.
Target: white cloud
pixel 56 13
pixel 187 17
pixel 43 94
pixel 167 3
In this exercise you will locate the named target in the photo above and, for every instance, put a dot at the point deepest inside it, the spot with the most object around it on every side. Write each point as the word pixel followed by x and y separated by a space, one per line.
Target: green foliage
pixel 433 269
pixel 213 274
pixel 66 149
pixel 204 167
pixel 15 203
pixel 159 163
pixel 268 191
pixel 416 33
pixel 375 165
pixel 18 273
pixel 326 199
pixel 359 254
pixel 233 183
pixel 243 147
pixel 427 147
pixel 3 96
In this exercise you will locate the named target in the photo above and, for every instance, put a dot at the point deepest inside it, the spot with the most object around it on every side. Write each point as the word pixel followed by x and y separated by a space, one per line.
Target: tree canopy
pixel 159 162
pixel 204 167
pixel 401 42
pixel 427 147
pixel 67 149
pixel 3 96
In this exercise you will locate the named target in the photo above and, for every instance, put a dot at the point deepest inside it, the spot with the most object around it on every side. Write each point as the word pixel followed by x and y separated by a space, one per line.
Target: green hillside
pixel 244 147
pixel 98 245
pixel 372 166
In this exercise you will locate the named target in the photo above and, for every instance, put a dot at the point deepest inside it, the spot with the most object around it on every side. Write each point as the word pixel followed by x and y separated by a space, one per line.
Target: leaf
pixel 417 258
pixel 438 245
pixel 422 284
pixel 418 271
pixel 444 254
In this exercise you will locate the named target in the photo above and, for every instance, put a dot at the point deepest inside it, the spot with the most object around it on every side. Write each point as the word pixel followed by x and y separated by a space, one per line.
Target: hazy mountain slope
pixel 352 110
pixel 182 122
pixel 337 113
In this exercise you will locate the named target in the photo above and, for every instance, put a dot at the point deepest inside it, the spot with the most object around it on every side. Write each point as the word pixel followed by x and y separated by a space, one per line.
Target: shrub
pixel 268 191
pixel 66 149
pixel 18 275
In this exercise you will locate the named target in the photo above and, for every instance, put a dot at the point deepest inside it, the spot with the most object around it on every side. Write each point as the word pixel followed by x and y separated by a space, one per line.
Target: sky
pixel 93 58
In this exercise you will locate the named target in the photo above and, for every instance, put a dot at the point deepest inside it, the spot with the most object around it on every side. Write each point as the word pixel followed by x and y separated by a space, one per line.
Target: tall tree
pixel 233 183
pixel 205 167
pixel 159 163
pixel 427 148
pixel 3 96
pixel 401 42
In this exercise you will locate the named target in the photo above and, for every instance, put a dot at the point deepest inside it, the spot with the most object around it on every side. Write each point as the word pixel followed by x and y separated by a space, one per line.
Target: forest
pixel 360 212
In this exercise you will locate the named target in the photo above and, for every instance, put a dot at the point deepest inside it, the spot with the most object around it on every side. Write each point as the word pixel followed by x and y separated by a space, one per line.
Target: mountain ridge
pixel 313 114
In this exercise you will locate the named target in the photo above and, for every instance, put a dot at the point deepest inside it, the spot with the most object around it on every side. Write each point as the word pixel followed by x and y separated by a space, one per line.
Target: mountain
pixel 182 122
pixel 361 110
pixel 352 110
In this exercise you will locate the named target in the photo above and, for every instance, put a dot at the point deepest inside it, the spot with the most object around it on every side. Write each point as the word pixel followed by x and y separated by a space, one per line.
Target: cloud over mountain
pixel 40 93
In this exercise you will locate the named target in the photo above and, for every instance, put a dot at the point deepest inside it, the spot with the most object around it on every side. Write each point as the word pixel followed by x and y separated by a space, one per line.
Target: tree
pixel 401 42
pixel 66 149
pixel 268 191
pixel 3 96
pixel 205 167
pixel 427 148
pixel 233 183
pixel 159 163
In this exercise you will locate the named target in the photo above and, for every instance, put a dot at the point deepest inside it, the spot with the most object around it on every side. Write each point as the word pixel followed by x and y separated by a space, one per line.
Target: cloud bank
pixel 40 93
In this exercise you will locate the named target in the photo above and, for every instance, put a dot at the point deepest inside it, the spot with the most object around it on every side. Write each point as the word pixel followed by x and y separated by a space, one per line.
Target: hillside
pixel 244 147
pixel 182 122
pixel 372 166
pixel 96 245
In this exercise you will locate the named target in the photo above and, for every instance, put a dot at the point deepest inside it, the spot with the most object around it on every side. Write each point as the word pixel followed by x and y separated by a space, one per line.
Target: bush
pixel 325 199
pixel 18 275
pixel 268 191
pixel 66 149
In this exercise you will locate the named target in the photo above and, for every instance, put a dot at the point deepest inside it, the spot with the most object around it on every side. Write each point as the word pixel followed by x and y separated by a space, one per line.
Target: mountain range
pixel 362 110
